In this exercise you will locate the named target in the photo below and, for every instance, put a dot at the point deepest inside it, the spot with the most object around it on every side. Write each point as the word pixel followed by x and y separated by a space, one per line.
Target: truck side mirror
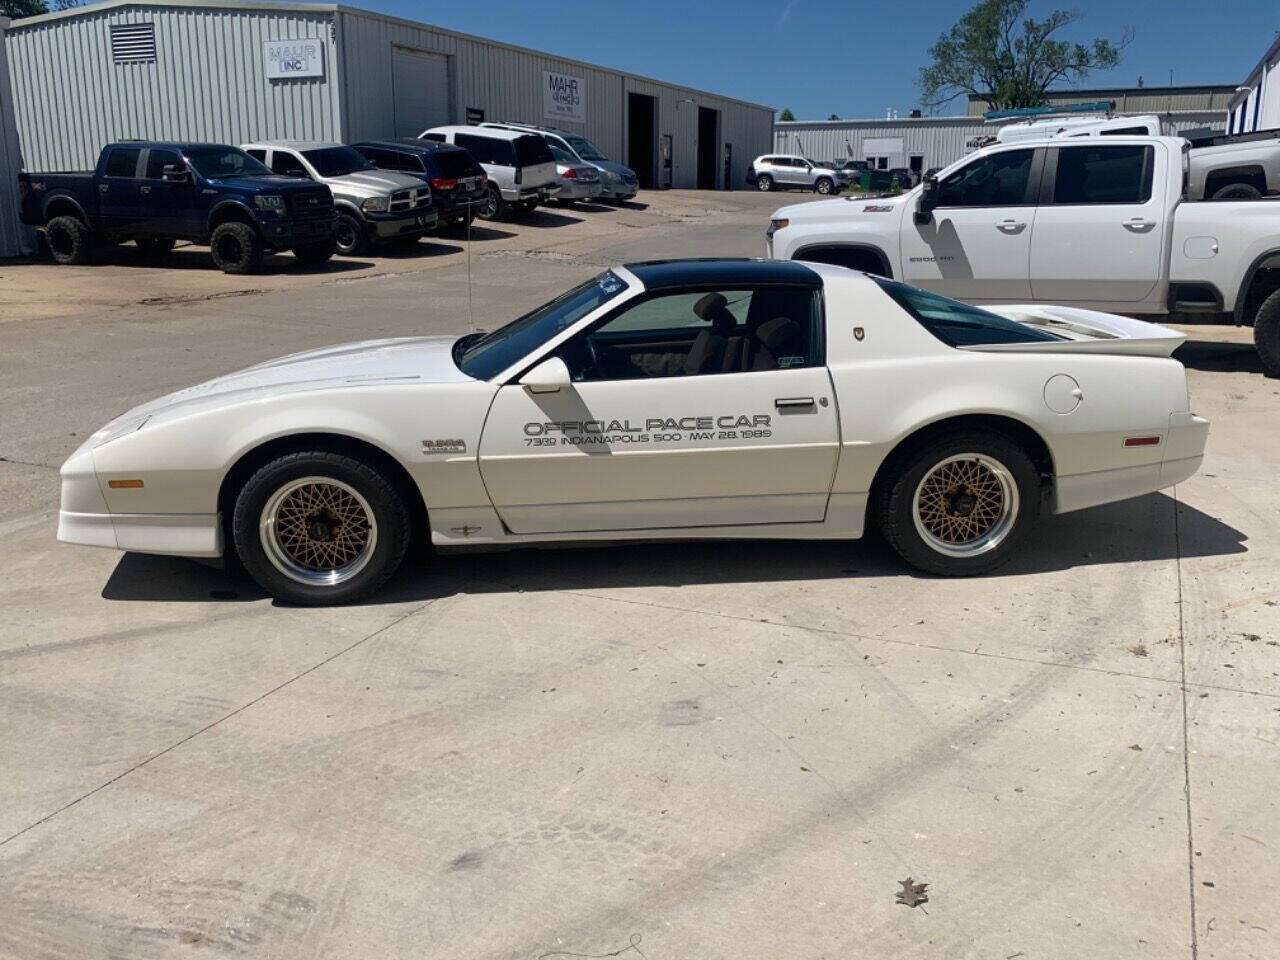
pixel 174 173
pixel 927 201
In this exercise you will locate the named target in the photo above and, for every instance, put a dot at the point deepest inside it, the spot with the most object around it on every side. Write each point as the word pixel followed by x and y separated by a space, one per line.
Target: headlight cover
pixel 114 431
pixel 375 204
pixel 775 226
pixel 271 201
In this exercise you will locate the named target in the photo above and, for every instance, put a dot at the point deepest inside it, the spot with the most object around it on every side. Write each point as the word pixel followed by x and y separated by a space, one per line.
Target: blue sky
pixel 820 57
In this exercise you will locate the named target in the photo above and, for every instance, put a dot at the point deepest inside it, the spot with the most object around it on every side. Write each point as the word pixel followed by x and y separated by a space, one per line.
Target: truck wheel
pixel 236 248
pixel 959 505
pixel 1266 334
pixel 318 528
pixel 764 183
pixel 70 242
pixel 495 208
pixel 154 249
pixel 348 234
pixel 315 252
pixel 824 186
pixel 1238 191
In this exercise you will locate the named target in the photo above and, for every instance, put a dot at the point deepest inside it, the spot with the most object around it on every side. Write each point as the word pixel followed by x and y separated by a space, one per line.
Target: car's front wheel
pixel 824 186
pixel 764 183
pixel 348 234
pixel 319 527
pixel 236 248
pixel 958 505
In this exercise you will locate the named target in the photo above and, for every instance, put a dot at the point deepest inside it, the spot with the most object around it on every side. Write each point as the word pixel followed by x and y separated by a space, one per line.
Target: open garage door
pixel 420 88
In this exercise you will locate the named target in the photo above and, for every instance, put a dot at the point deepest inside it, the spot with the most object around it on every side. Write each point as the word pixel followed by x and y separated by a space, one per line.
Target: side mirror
pixel 547 377
pixel 174 173
pixel 927 201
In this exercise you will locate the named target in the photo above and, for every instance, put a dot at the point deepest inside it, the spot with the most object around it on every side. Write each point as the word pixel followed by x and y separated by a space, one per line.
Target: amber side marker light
pixel 1141 441
pixel 128 484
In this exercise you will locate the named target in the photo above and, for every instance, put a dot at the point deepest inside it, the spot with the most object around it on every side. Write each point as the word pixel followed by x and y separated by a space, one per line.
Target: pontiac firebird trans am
pixel 677 399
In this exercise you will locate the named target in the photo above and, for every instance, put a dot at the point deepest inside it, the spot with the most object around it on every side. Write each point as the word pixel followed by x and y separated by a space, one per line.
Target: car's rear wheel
pixel 1237 191
pixel 70 242
pixel 494 207
pixel 348 234
pixel 319 527
pixel 764 183
pixel 236 248
pixel 1266 334
pixel 959 505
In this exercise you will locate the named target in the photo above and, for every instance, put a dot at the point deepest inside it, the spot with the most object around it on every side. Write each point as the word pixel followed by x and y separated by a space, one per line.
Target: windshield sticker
pixel 610 284
pixel 577 433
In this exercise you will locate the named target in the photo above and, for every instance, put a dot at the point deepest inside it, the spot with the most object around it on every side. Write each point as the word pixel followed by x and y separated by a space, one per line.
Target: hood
pixel 373 183
pixel 273 180
pixel 372 362
pixel 843 209
pixel 608 166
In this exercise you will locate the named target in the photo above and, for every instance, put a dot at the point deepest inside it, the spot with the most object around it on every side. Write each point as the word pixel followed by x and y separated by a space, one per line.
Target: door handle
pixel 1011 226
pixel 1138 223
pixel 793 403
pixel 145 189
pixel 103 188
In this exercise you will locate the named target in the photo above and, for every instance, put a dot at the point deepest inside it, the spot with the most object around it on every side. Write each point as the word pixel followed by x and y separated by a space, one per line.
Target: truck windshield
pixel 485 355
pixel 214 162
pixel 585 148
pixel 337 161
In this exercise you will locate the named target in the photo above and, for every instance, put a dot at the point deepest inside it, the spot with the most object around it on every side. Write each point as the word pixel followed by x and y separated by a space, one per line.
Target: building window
pixel 133 43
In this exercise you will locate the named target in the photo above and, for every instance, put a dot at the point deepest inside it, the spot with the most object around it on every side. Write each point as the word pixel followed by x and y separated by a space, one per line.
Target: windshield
pixel 564 156
pixel 336 161
pixel 957 324
pixel 585 148
pixel 214 162
pixel 485 355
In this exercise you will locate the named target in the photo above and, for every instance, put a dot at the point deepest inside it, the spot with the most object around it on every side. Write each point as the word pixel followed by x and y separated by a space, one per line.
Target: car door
pixel 690 408
pixel 976 245
pixel 167 205
pixel 1100 229
pixel 119 202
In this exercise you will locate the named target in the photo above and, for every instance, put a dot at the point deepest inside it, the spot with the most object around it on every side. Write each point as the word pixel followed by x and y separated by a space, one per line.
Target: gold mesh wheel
pixel 965 505
pixel 318 531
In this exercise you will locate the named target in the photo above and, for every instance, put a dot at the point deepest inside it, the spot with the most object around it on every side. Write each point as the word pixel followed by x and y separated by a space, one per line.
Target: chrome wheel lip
pixel 281 558
pixel 1000 527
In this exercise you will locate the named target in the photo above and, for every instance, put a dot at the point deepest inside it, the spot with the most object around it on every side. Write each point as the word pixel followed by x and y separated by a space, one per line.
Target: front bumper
pixel 620 190
pixel 289 233
pixel 540 194
pixel 385 226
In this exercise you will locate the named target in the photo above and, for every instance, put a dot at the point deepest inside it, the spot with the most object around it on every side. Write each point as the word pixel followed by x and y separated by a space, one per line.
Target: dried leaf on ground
pixel 912 894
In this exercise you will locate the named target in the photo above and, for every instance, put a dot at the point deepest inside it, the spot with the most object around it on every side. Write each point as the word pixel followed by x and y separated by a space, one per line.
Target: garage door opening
pixel 708 147
pixel 419 91
pixel 642 124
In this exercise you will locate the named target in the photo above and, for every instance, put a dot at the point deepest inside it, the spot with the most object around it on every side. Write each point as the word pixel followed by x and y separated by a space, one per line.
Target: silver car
pixel 578 180
pixel 372 205
pixel 785 171
pixel 617 182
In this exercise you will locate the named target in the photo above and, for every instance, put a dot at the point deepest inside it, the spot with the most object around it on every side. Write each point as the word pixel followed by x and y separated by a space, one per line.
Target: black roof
pixel 668 274
pixel 409 145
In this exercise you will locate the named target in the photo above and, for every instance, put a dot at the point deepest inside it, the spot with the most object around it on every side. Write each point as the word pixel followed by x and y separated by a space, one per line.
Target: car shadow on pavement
pixel 197 258
pixel 542 217
pixel 478 232
pixel 1219 356
pixel 1127 532
pixel 419 249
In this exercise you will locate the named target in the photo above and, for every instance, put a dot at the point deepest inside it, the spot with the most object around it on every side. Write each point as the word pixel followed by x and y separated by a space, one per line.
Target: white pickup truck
pixel 1100 223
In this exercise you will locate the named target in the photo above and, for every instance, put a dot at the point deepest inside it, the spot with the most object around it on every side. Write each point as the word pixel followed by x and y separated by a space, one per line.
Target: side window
pixel 258 154
pixel 484 149
pixel 123 162
pixel 157 160
pixel 998 180
pixel 434 137
pixel 1097 174
pixel 284 162
pixel 700 333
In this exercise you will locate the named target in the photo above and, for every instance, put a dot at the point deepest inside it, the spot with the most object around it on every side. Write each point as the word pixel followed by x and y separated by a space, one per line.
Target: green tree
pixel 786 115
pixel 834 116
pixel 1010 60
pixel 32 8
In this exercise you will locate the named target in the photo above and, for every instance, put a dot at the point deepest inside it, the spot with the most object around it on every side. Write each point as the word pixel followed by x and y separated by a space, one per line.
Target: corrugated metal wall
pixel 206 83
pixel 14 238
pixel 940 140
pixel 1151 99
pixel 506 83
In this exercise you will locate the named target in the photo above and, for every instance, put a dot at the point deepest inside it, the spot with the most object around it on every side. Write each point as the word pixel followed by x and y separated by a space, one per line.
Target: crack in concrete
pixel 29 463
pixel 1186 737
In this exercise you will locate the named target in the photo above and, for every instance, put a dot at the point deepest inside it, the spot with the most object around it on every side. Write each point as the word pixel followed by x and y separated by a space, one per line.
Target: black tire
pixel 895 503
pixel 236 248
pixel 386 538
pixel 1237 191
pixel 70 242
pixel 824 186
pixel 1266 334
pixel 495 208
pixel 315 253
pixel 154 249
pixel 764 183
pixel 349 236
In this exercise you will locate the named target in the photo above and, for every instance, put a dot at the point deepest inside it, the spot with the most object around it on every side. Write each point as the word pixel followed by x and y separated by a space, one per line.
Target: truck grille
pixel 403 201
pixel 311 203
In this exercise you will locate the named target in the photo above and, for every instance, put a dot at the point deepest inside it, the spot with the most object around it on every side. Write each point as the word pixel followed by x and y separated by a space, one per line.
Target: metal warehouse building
pixel 1255 105
pixel 233 72
pixel 920 143
pixel 12 235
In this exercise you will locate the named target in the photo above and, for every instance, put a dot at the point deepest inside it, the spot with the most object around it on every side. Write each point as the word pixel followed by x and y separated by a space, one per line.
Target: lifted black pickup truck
pixel 157 193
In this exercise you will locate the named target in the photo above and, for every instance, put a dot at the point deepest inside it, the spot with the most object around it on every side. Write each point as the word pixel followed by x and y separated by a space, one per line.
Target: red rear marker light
pixel 443 183
pixel 570 174
pixel 1141 441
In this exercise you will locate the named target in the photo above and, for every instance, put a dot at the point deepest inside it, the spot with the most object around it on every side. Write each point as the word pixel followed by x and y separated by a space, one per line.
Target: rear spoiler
pixel 1085 331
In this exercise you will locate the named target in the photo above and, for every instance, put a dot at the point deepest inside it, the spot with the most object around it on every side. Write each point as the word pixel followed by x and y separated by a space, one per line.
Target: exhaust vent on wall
pixel 133 43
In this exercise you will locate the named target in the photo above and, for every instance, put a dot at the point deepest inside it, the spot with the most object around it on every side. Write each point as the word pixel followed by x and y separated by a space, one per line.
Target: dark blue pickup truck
pixel 157 193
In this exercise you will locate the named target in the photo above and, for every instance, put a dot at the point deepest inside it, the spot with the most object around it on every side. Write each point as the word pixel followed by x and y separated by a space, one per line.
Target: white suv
pixel 785 171
pixel 522 171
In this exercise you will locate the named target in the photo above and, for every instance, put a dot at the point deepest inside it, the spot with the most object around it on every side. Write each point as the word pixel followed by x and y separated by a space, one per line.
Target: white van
pixel 521 169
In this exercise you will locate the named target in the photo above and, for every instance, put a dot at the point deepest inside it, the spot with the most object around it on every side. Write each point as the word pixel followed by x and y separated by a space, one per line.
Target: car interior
pixel 693 333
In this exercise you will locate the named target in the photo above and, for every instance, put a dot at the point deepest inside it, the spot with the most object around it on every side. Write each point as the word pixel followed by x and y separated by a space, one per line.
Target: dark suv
pixel 457 181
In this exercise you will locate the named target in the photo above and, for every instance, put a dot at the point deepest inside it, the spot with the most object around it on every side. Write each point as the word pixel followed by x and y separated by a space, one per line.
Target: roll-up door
pixel 420 88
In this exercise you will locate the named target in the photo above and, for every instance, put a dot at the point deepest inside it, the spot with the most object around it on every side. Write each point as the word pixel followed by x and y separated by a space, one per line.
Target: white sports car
pixel 710 398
